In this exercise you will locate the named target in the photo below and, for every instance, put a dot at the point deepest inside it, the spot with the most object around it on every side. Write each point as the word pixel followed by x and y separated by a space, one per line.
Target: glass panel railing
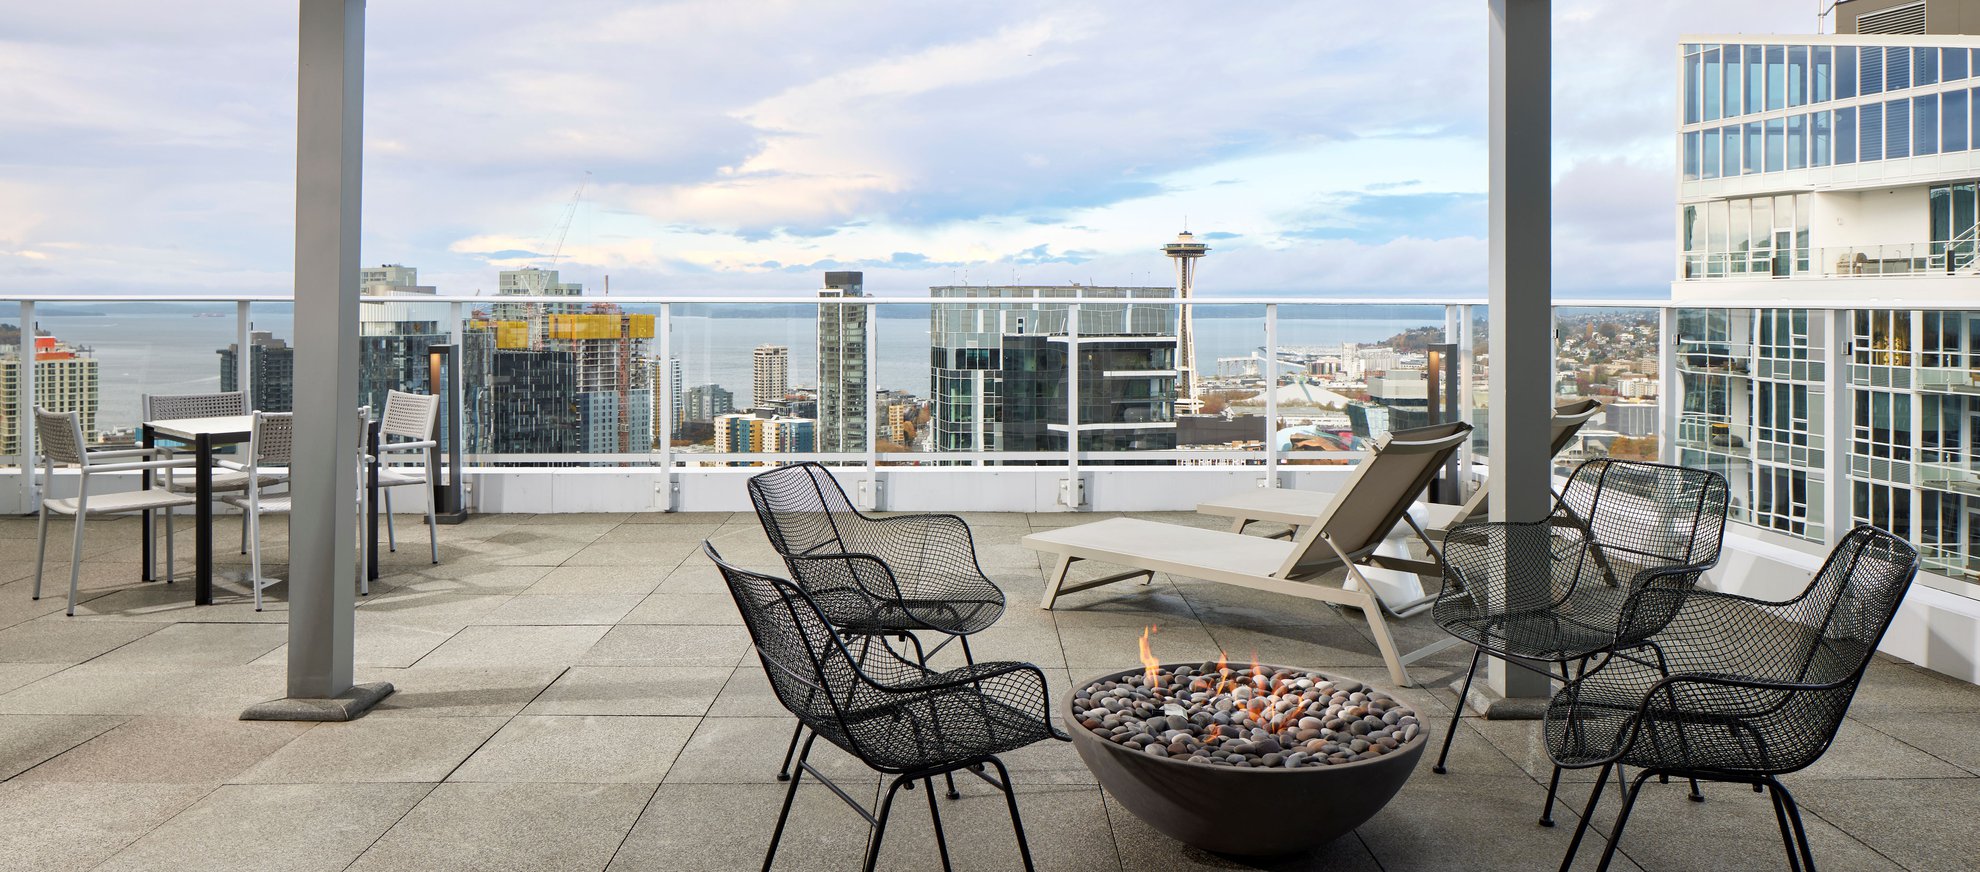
pixel 1610 354
pixel 751 375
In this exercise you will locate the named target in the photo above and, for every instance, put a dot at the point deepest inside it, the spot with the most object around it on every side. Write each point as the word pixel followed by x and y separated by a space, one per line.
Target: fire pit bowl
pixel 1253 809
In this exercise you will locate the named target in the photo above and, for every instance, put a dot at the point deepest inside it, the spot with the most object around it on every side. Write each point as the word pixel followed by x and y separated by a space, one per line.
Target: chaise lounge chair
pixel 1300 508
pixel 1375 498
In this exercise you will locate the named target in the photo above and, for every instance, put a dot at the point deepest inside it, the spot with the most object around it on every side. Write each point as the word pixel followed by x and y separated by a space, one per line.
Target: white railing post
pixel 663 488
pixel 872 405
pixel 30 491
pixel 1071 490
pixel 1467 347
pixel 243 359
pixel 1271 395
pixel 1670 392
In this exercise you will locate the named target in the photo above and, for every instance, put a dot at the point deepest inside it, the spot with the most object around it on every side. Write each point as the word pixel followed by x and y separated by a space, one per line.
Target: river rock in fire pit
pixel 1202 752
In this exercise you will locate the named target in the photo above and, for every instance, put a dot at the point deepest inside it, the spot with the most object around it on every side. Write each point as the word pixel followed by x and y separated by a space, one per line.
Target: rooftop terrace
pixel 577 692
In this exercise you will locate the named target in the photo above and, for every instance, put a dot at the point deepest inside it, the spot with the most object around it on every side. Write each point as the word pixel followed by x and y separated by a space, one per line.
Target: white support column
pixel 244 359
pixel 1837 425
pixel 323 566
pixel 1271 395
pixel 1522 341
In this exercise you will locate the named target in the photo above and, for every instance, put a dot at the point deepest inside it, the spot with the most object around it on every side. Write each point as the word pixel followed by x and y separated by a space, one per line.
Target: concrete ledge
pixel 343 707
pixel 1493 707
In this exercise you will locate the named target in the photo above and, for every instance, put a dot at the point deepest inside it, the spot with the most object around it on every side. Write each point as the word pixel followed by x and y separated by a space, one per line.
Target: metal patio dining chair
pixel 1548 594
pixel 271 445
pixel 897 716
pixel 59 439
pixel 406 428
pixel 228 475
pixel 875 577
pixel 1741 690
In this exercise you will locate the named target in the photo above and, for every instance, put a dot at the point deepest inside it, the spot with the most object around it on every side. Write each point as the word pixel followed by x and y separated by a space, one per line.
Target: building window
pixel 1925 125
pixel 1952 64
pixel 1756 80
pixel 1712 86
pixel 1708 152
pixel 1870 141
pixel 1730 149
pixel 1797 142
pixel 1845 72
pixel 1818 139
pixel 1952 121
pixel 1819 74
pixel 1897 68
pixel 1897 129
pixel 1871 78
pixel 1883 425
pixel 1846 135
pixel 1691 77
pixel 1924 66
pixel 1776 77
pixel 1730 84
pixel 1797 75
pixel 1691 157
pixel 1884 505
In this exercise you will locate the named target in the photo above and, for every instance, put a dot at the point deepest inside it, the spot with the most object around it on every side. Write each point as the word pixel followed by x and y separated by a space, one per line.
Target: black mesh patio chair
pixel 895 715
pixel 874 577
pixel 1547 594
pixel 1742 690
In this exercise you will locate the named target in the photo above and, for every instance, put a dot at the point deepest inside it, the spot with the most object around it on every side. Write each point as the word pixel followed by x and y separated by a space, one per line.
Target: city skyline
pixel 1314 168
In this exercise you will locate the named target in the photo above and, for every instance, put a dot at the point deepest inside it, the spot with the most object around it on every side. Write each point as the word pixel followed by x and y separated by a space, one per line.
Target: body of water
pixel 176 351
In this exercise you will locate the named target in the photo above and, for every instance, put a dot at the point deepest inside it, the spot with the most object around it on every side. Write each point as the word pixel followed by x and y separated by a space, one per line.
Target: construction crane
pixel 570 214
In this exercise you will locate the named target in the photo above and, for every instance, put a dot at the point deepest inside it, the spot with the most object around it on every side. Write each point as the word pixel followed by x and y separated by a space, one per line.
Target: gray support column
pixel 1522 341
pixel 323 528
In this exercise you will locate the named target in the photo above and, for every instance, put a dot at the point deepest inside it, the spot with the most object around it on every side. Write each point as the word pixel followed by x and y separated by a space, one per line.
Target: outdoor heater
pixel 443 375
pixel 1442 371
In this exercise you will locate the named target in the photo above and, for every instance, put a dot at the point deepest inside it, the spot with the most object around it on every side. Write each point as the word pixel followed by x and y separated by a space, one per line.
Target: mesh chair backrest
pixel 172 407
pixel 1853 600
pixel 809 669
pixel 59 435
pixel 409 416
pixel 1649 514
pixel 1377 493
pixel 802 508
pixel 273 438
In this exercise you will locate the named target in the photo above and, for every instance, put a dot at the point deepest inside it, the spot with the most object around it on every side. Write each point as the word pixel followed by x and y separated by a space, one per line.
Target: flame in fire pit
pixel 1149 665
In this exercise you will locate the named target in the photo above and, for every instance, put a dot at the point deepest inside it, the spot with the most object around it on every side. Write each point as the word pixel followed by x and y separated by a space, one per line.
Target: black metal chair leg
pixel 1788 840
pixel 1587 814
pixel 1458 711
pixel 1017 823
pixel 1622 820
pixel 935 816
pixel 1553 787
pixel 880 825
pixel 1794 817
pixel 790 796
pixel 1695 795
pixel 784 771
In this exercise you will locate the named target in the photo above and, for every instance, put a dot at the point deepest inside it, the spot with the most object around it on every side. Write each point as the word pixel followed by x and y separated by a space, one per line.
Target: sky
pixel 1325 149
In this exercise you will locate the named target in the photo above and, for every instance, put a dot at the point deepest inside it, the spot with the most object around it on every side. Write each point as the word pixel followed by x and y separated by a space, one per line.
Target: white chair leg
pixel 432 524
pixel 244 533
pixel 40 550
pixel 253 523
pixel 75 560
pixel 391 536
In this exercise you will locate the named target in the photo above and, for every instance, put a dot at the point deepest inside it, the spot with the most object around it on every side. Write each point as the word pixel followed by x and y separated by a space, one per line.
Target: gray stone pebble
pixel 1274 718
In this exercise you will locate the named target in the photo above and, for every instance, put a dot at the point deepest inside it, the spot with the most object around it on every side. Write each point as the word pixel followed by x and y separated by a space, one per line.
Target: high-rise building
pixel 772 369
pixel 969 338
pixel 843 384
pixel 395 330
pixel 65 380
pixel 272 368
pixel 1127 392
pixel 752 432
pixel 705 403
pixel 1186 251
pixel 1835 169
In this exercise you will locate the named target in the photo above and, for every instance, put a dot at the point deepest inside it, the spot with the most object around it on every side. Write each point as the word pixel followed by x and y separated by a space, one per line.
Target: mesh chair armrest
pixel 1013 683
pixel 871 573
pixel 1707 632
pixel 421 445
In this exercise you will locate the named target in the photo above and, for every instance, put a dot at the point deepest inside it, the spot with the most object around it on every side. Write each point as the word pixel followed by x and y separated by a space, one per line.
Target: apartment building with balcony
pixel 1837 170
